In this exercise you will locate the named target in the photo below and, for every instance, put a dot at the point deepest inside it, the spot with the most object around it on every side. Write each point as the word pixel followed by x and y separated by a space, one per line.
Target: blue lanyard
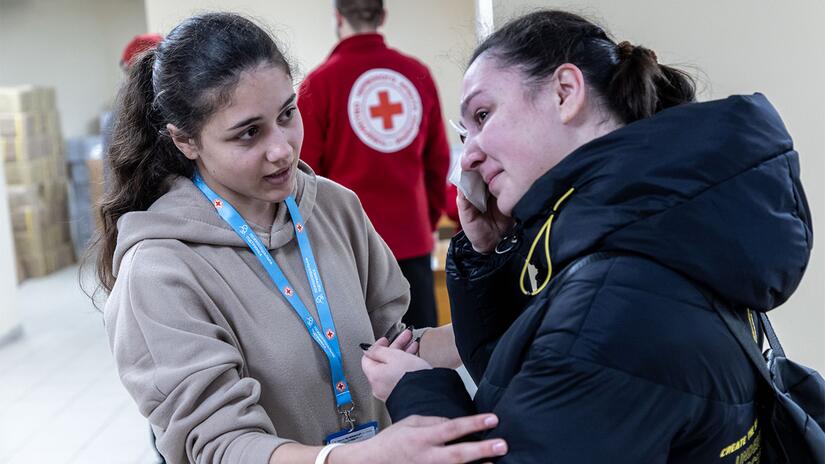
pixel 325 336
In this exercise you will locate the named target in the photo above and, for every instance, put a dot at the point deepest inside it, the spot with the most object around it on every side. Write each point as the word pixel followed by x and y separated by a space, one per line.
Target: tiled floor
pixel 60 398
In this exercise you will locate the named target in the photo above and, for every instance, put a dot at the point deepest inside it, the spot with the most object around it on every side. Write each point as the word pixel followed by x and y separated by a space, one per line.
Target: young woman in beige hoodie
pixel 239 338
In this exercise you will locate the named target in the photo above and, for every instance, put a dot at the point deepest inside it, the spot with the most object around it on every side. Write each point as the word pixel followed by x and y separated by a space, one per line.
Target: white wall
pixel 73 45
pixel 743 46
pixel 440 33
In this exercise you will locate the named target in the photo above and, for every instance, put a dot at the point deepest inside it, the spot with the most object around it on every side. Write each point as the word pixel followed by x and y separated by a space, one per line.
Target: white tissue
pixel 471 185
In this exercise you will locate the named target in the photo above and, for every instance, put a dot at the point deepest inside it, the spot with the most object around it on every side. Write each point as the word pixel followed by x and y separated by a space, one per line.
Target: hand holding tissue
pixel 471 185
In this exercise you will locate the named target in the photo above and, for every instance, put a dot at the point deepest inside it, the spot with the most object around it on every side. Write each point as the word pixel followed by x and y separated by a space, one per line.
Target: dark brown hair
pixel 361 14
pixel 190 75
pixel 629 78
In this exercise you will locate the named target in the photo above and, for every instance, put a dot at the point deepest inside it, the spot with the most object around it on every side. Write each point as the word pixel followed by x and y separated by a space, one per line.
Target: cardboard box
pixel 50 122
pixel 21 124
pixel 54 192
pixel 47 98
pixel 29 218
pixel 38 265
pixel 27 171
pixel 27 98
pixel 24 148
pixel 43 240
pixel 36 171
pixel 36 218
pixel 52 195
pixel 24 196
pixel 18 99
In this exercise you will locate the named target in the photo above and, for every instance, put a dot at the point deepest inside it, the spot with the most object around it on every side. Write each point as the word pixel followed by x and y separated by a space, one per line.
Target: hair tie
pixel 626 49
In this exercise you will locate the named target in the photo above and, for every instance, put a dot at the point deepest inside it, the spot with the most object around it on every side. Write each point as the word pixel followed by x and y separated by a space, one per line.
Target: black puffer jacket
pixel 628 363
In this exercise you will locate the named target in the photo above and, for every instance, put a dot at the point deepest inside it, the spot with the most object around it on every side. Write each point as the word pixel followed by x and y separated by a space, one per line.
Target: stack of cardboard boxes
pixel 31 148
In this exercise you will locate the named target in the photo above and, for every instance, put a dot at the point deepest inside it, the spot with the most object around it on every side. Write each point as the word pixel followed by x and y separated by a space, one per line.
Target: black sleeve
pixel 434 392
pixel 484 300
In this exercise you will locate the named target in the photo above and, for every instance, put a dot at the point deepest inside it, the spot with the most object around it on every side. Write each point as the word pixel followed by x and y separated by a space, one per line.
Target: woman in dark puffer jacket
pixel 592 146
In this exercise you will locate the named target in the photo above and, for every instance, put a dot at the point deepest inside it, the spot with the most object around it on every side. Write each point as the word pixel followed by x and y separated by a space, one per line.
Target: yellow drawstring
pixel 544 231
pixel 753 326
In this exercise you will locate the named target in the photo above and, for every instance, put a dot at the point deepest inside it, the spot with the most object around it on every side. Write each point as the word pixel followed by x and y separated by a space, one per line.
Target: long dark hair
pixel 629 78
pixel 190 75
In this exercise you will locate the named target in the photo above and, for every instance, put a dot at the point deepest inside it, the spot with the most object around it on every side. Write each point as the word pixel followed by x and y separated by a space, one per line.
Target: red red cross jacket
pixel 372 122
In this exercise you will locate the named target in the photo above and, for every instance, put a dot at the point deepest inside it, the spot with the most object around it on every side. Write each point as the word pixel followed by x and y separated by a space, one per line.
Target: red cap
pixel 138 45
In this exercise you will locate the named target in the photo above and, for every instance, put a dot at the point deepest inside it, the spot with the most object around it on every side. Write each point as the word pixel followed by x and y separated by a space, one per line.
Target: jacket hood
pixel 184 213
pixel 710 190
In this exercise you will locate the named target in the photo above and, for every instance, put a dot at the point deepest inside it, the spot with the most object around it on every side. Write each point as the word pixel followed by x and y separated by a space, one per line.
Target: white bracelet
pixel 322 455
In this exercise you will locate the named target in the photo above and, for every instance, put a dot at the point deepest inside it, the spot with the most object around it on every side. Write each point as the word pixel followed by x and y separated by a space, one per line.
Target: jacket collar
pixel 360 42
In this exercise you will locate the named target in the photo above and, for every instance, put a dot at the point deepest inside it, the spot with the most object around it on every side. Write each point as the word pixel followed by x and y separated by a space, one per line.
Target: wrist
pixel 483 249
pixel 351 453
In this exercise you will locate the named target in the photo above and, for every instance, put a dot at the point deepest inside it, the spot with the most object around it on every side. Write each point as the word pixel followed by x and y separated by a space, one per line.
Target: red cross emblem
pixel 218 203
pixel 299 227
pixel 287 291
pixel 341 387
pixel 385 110
pixel 330 334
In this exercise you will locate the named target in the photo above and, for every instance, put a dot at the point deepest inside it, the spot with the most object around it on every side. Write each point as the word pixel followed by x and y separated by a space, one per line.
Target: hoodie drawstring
pixel 544 231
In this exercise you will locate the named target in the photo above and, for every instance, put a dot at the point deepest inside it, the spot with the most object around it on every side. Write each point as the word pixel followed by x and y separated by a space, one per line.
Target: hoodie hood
pixel 710 190
pixel 184 213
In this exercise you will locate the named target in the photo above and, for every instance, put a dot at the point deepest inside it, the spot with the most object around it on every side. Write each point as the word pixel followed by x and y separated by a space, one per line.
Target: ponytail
pixel 140 160
pixel 641 87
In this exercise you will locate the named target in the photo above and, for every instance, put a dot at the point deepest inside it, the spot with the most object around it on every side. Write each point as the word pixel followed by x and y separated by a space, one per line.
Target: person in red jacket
pixel 372 122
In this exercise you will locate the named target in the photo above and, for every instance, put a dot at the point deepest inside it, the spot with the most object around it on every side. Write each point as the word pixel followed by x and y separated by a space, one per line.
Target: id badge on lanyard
pixel 324 334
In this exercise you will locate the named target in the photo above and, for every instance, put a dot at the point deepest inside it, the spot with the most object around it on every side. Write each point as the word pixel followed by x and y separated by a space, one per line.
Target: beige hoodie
pixel 215 358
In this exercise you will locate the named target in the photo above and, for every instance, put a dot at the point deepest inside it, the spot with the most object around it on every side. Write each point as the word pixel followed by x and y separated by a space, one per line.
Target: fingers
pixel 423 421
pixel 380 354
pixel 412 348
pixel 461 200
pixel 368 364
pixel 382 342
pixel 459 427
pixel 466 209
pixel 369 367
pixel 402 340
pixel 472 451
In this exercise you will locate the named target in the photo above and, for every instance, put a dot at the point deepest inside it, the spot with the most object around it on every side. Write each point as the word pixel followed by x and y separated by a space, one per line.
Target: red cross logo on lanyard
pixel 341 386
pixel 299 227
pixel 330 334
pixel 385 110
pixel 288 291
pixel 218 203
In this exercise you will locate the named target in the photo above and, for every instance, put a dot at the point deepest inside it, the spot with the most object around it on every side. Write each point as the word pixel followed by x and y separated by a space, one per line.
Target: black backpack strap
pixel 773 340
pixel 742 332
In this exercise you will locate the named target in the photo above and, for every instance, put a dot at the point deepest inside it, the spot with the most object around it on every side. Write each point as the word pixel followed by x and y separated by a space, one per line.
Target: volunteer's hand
pixel 403 341
pixel 422 440
pixel 385 365
pixel 484 230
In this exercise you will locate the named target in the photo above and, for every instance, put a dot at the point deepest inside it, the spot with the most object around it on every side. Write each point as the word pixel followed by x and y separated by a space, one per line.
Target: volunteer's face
pixel 248 150
pixel 512 135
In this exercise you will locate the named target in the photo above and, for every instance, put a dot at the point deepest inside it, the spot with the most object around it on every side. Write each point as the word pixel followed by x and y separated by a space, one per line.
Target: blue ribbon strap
pixel 325 336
